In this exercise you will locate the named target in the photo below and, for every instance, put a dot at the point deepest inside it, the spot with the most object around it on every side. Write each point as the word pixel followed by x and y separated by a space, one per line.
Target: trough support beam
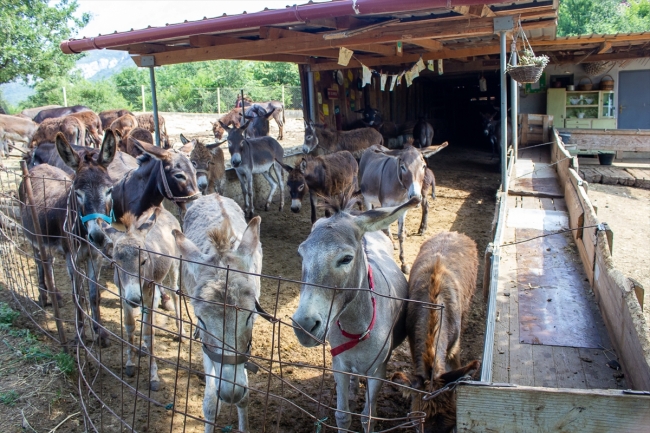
pixel 514 106
pixel 149 61
pixel 502 25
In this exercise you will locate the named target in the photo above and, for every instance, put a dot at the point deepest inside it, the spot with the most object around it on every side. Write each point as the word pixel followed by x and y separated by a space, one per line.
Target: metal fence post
pixel 514 103
pixel 144 107
pixel 65 98
pixel 47 265
pixel 219 101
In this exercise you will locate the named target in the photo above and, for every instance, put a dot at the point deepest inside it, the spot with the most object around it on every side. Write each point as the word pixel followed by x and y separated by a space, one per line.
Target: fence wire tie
pixel 545 166
pixel 319 424
pixel 448 387
pixel 599 227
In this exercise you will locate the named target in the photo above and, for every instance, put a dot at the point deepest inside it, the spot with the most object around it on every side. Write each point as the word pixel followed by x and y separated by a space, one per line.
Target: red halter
pixel 357 338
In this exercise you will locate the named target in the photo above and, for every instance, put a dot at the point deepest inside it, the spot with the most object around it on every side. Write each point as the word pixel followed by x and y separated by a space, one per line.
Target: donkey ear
pixel 110 231
pixel 431 150
pixel 245 125
pixel 250 240
pixel 187 249
pixel 185 140
pixel 224 126
pixel 108 149
pixel 66 152
pixel 287 167
pixel 269 114
pixel 149 222
pixel 409 380
pixel 152 150
pixel 378 219
pixel 451 376
pixel 303 166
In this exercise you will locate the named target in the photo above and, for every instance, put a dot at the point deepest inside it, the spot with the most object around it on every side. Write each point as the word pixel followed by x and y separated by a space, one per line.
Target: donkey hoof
pixel 102 338
pixel 130 370
pixel 267 206
pixel 154 385
pixel 201 377
pixel 406 269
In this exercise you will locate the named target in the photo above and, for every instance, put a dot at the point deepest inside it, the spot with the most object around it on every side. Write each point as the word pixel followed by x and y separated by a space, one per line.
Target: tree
pixel 30 33
pixel 636 16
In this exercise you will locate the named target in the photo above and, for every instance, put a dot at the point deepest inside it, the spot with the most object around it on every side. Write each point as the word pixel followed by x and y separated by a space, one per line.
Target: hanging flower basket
pixel 530 67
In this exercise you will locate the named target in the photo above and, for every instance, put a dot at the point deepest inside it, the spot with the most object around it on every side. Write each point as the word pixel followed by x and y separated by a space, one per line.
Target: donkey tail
pixel 436 282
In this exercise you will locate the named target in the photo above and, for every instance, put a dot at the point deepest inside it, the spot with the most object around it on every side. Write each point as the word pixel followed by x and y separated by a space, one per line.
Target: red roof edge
pixel 295 13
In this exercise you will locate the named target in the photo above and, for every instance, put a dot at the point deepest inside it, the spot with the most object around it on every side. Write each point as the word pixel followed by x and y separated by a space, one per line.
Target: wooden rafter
pixel 428 44
pixel 479 11
pixel 604 47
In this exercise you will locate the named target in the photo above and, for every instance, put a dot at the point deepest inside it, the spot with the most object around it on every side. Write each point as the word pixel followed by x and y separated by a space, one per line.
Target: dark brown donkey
pixel 92 191
pixel 160 173
pixel 444 273
pixel 326 176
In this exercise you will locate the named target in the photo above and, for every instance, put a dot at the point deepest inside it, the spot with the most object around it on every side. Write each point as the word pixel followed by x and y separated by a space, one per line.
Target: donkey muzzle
pixel 305 148
pixel 236 160
pixel 295 206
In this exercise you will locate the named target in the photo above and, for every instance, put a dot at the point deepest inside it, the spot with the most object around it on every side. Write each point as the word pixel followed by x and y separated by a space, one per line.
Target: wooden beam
pixel 479 11
pixel 201 41
pixel 428 44
pixel 604 47
pixel 147 48
pixel 524 408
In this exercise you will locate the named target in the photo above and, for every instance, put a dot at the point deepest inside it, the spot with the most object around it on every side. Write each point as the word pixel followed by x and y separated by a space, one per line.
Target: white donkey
pixel 216 235
pixel 365 320
pixel 134 253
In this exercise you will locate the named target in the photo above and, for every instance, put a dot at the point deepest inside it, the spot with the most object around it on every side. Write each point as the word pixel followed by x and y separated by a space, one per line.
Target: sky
pixel 122 15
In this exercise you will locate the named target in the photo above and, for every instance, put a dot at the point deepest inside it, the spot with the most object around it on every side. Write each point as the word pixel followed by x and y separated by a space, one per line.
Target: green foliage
pixel 7 315
pixel 9 398
pixel 30 33
pixel 636 16
pixel 579 17
pixel 65 363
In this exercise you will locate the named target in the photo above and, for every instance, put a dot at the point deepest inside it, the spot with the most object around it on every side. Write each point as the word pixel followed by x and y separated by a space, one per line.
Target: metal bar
pixel 219 101
pixel 504 115
pixel 65 97
pixel 144 106
pixel 514 107
pixel 154 103
pixel 312 103
pixel 47 266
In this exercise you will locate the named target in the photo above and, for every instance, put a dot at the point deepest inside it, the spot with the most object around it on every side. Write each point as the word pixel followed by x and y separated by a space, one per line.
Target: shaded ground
pixel 627 211
pixel 466 184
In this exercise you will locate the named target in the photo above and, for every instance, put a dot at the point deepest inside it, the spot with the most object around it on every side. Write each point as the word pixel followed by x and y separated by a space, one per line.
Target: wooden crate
pixel 534 129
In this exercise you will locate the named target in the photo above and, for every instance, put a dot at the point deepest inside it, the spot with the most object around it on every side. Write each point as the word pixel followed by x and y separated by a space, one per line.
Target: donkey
pixel 355 141
pixel 92 188
pixel 325 176
pixel 231 118
pixel 72 128
pixel 109 116
pixel 365 322
pixel 259 121
pixel 224 300
pixel 390 177
pixel 159 174
pixel 142 258
pixel 124 124
pixel 93 125
pixel 51 113
pixel 253 156
pixel 444 272
pixel 422 134
pixel 492 130
pixel 146 121
pixel 209 163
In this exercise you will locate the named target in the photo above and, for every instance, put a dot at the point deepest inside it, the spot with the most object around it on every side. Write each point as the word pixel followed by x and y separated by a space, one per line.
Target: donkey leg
pixel 242 413
pixel 251 195
pixel 173 277
pixel 312 202
pixel 342 415
pixel 244 189
pixel 42 289
pixel 148 332
pixel 354 388
pixel 211 404
pixel 370 409
pixel 278 174
pixel 400 236
pixel 129 327
pixel 425 213
pixel 94 269
pixel 274 187
pixel 77 297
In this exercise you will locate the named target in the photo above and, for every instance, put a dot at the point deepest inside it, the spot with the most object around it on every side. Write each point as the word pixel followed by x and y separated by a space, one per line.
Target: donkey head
pixel 224 303
pixel 311 139
pixel 489 123
pixel 202 160
pixel 92 184
pixel 296 183
pixel 235 142
pixel 179 173
pixel 333 256
pixel 131 257
pixel 440 410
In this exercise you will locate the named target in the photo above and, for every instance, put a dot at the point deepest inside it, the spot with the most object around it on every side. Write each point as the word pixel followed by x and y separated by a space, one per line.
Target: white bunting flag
pixel 420 65
pixel 367 75
pixel 384 78
pixel 344 56
pixel 393 79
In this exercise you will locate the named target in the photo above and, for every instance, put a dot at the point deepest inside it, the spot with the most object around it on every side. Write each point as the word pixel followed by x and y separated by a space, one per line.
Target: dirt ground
pixel 466 185
pixel 627 211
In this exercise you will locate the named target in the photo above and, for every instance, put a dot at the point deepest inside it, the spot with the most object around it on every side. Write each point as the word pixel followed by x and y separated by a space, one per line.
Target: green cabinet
pixel 593 109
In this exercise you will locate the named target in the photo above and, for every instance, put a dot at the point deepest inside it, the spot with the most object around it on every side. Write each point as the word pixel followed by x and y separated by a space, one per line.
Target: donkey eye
pixel 301 187
pixel 143 262
pixel 180 176
pixel 403 168
pixel 345 260
pixel 194 164
pixel 109 191
pixel 309 137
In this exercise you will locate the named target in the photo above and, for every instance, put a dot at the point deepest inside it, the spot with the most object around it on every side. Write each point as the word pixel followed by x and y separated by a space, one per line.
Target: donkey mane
pixel 429 354
pixel 222 237
pixel 343 202
pixel 129 220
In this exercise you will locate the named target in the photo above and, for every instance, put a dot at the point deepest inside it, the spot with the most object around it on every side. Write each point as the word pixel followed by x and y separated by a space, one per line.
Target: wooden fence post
pixel 219 101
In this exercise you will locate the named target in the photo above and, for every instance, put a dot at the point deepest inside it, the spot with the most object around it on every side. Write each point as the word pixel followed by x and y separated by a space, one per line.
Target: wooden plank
pixel 642 177
pixel 501 360
pixel 429 44
pixel 524 129
pixel 533 409
pixel 547 203
pixel 616 140
pixel 597 374
pixel 569 367
pixel 560 205
pixel 591 174
pixel 604 47
pixel 544 370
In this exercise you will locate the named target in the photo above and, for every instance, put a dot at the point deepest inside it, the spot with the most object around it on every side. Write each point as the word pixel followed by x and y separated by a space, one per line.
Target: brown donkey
pixel 444 273
pixel 92 192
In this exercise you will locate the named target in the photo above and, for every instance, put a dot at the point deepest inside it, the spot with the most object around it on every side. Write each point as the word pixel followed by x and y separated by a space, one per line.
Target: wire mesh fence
pixel 151 376
pixel 189 99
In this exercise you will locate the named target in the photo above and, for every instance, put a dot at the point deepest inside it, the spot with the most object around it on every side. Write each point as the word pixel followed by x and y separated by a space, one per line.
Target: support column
pixel 150 62
pixel 502 25
pixel 514 106
pixel 312 102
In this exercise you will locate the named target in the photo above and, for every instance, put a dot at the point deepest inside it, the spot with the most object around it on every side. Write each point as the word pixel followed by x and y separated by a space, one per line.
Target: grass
pixel 9 398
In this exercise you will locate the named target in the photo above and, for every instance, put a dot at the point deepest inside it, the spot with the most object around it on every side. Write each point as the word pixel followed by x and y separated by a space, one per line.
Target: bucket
pixel 606 158
pixel 566 137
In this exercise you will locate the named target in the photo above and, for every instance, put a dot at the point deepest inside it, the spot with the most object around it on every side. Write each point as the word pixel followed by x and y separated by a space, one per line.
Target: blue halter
pixel 108 218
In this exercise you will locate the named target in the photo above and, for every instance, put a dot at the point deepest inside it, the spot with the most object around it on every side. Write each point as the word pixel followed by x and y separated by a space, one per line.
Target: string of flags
pixel 409 74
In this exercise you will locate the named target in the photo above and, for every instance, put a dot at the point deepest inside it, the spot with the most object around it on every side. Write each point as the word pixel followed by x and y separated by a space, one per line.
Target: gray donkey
pixel 217 237
pixel 251 156
pixel 142 263
pixel 364 321
pixel 92 193
pixel 390 177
